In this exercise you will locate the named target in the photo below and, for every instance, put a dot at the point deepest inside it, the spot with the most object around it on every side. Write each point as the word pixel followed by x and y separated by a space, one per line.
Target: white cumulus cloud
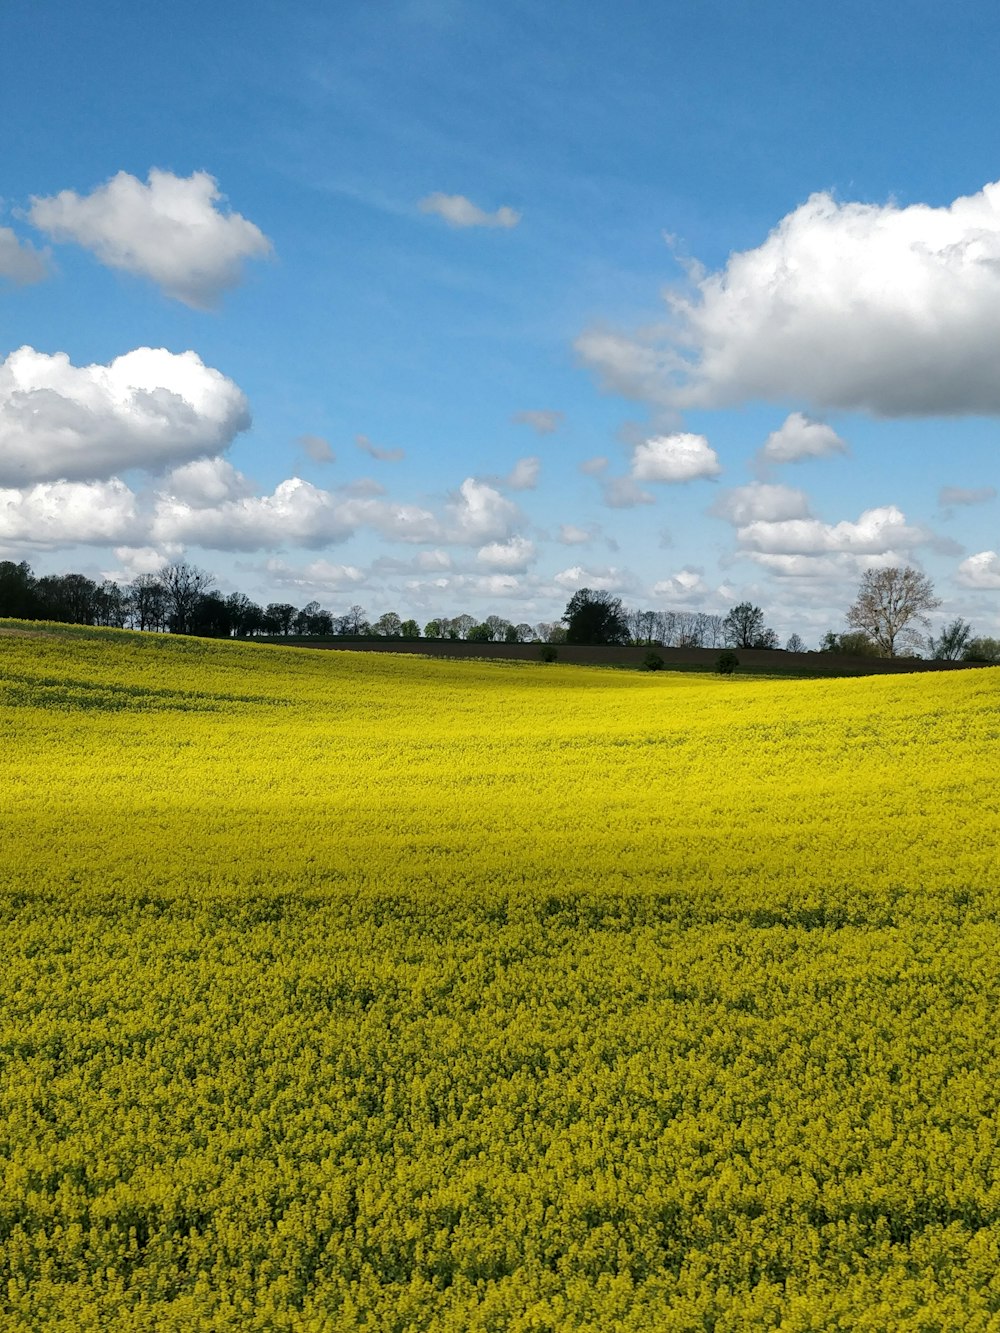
pixel 800 437
pixel 610 579
pixel 876 532
pixel 514 555
pixel 432 560
pixel 296 514
pixel 458 211
pixel 146 409
pixel 828 571
pixel 136 560
pixel 687 585
pixel 319 575
pixel 394 520
pixel 448 589
pixel 474 516
pixel 629 365
pixel 980 571
pixel 760 501
pixel 169 230
pixel 63 513
pixel 880 308
pixel 20 262
pixel 480 514
pixel 206 481
pixel 497 585
pixel 674 458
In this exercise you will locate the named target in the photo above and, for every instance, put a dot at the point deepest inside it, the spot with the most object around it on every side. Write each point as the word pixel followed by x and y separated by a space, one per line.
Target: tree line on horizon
pixel 180 598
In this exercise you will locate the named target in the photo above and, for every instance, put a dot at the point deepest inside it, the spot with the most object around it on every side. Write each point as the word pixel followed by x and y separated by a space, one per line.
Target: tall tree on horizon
pixel 595 617
pixel 888 604
pixel 182 585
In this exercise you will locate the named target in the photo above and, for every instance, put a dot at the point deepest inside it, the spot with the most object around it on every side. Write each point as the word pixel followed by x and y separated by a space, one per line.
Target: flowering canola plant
pixel 348 991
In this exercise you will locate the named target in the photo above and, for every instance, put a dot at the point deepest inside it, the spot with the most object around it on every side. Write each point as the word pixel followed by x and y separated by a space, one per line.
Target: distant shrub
pixel 726 663
pixel 982 650
pixel 652 662
pixel 548 653
pixel 854 644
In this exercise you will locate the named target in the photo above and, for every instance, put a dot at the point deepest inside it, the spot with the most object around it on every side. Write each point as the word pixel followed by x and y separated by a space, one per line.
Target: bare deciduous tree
pixel 643 626
pixel 182 585
pixel 712 632
pixel 460 626
pixel 147 602
pixel 952 642
pixel 353 621
pixel 889 603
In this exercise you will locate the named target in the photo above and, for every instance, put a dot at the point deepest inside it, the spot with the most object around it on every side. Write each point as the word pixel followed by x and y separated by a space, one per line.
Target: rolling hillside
pixel 369 991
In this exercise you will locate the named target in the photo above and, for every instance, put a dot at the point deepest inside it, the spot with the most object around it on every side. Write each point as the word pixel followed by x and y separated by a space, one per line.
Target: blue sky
pixel 409 272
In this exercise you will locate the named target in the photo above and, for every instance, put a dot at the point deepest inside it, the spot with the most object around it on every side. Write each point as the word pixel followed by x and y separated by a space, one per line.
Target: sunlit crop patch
pixel 346 991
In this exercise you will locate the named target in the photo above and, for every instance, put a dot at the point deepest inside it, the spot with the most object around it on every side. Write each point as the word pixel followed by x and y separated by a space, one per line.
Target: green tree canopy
pixel 595 617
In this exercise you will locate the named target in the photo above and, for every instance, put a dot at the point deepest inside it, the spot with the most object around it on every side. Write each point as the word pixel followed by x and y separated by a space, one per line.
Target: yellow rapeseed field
pixel 374 992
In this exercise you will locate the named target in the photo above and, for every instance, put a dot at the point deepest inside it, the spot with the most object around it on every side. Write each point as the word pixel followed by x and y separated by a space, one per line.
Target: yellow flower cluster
pixel 348 991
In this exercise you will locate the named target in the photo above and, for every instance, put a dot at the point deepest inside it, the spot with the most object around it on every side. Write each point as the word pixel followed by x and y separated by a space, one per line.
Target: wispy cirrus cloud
pixel 542 422
pixel 594 467
pixel 965 495
pixel 523 476
pixel 571 534
pixel 624 493
pixel 375 451
pixel 20 262
pixel 317 448
pixel 458 211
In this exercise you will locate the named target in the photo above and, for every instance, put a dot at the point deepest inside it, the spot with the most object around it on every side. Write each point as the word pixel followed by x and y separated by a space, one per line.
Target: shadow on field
pixel 764 660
